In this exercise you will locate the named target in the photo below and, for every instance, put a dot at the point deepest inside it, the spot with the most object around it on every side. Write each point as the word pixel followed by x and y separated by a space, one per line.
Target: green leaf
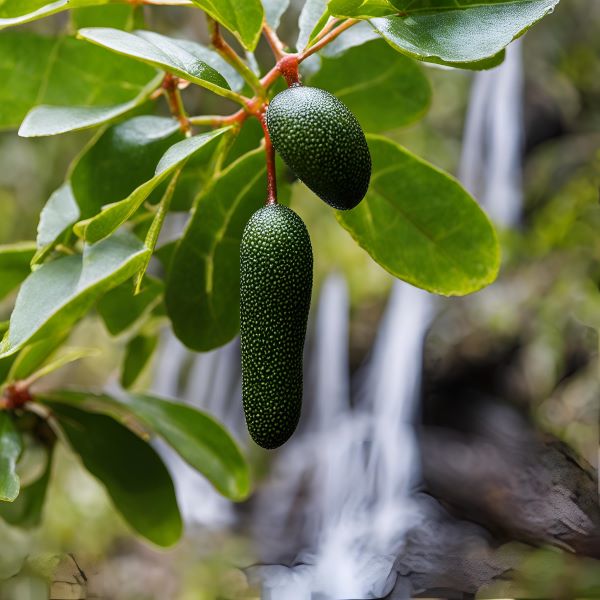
pixel 473 35
pixel 243 19
pixel 11 447
pixel 422 226
pixel 159 51
pixel 66 357
pixel 196 436
pixel 16 12
pixel 156 226
pixel 361 9
pixel 26 510
pixel 63 71
pixel 313 16
pixel 130 469
pixel 33 356
pixel 120 160
pixel 202 294
pixel 53 120
pixel 274 10
pixel 114 215
pixel 14 265
pixel 138 353
pixel 120 309
pixel 57 294
pixel 393 95
pixel 59 213
pixel 122 16
pixel 200 440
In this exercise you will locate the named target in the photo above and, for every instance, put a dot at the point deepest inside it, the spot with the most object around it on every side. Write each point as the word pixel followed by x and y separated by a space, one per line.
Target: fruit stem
pixel 288 67
pixel 170 86
pixel 271 171
pixel 233 58
pixel 274 42
pixel 328 38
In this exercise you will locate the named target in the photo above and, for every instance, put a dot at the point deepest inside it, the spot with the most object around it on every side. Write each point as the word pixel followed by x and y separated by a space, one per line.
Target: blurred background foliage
pixel 533 333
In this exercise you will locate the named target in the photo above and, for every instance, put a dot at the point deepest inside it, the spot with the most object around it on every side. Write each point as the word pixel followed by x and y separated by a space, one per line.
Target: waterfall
pixel 490 165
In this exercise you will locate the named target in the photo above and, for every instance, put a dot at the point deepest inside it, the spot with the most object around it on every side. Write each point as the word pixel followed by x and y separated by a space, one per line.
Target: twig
pixel 330 23
pixel 274 42
pixel 170 85
pixel 328 38
pixel 232 57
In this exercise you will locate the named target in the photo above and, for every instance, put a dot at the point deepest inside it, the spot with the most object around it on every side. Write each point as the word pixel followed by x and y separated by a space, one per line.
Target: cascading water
pixel 337 505
pixel 490 165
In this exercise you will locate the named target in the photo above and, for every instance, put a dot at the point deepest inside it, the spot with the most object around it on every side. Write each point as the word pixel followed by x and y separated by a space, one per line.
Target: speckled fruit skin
pixel 276 266
pixel 322 143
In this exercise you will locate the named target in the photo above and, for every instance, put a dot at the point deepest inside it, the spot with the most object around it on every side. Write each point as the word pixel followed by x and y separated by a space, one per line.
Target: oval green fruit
pixel 322 143
pixel 276 266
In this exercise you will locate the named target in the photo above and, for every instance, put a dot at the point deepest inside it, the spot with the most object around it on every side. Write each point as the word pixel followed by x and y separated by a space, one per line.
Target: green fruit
pixel 276 281
pixel 322 143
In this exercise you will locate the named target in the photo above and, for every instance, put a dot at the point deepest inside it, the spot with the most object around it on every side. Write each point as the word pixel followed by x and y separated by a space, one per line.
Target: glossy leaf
pixel 395 94
pixel 11 447
pixel 62 71
pixel 124 157
pixel 120 309
pixel 53 120
pixel 60 212
pixel 125 16
pixel 159 51
pixel 156 226
pixel 14 265
pixel 243 19
pixel 274 10
pixel 138 354
pixel 200 440
pixel 16 12
pixel 313 14
pixel 114 215
pixel 473 35
pixel 133 474
pixel 361 9
pixel 422 226
pixel 54 296
pixel 26 510
pixel 202 295
pixel 30 358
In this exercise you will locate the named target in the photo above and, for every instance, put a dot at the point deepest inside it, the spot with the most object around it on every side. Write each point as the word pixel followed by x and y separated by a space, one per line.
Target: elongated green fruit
pixel 321 141
pixel 276 266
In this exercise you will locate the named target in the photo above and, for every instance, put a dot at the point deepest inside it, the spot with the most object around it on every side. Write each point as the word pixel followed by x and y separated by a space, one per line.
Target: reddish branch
pixel 271 174
pixel 170 85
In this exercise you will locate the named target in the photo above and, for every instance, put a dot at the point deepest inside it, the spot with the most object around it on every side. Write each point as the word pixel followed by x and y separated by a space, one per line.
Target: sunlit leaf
pixel 61 71
pixel 421 225
pixel 114 215
pixel 243 19
pixel 57 294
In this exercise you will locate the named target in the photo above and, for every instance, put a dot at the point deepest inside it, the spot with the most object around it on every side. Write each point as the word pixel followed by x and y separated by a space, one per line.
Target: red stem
pixel 271 171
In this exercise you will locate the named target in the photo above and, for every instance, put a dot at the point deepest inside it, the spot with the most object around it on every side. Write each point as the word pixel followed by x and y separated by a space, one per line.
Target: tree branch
pixel 232 57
